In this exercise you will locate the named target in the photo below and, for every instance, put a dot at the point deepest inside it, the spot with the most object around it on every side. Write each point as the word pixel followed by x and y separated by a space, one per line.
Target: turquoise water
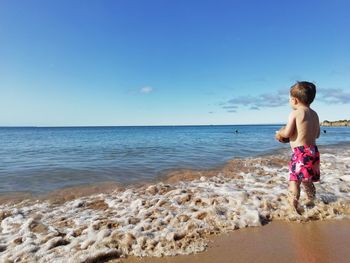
pixel 40 160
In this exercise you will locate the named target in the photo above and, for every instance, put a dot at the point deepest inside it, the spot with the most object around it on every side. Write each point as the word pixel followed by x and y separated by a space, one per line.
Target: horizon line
pixel 111 126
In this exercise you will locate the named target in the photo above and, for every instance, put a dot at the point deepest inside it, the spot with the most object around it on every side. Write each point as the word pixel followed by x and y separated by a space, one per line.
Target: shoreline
pixel 171 176
pixel 289 242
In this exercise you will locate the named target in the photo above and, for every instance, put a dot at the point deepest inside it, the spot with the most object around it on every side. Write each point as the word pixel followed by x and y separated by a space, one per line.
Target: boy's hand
pixel 279 137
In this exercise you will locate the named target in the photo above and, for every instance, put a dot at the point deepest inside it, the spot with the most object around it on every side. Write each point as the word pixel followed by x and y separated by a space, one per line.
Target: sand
pixel 320 241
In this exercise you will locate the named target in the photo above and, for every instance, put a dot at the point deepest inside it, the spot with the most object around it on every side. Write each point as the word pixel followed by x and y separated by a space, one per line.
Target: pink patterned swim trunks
pixel 305 164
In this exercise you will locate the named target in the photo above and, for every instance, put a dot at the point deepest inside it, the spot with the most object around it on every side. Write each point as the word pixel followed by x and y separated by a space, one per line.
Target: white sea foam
pixel 167 219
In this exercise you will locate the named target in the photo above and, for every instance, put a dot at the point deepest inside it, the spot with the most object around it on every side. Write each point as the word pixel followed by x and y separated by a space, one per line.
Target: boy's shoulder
pixel 313 111
pixel 305 113
pixel 297 112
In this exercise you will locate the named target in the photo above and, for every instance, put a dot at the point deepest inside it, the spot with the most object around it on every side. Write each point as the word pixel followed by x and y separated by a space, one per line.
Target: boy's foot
pixel 300 210
pixel 310 204
pixel 296 214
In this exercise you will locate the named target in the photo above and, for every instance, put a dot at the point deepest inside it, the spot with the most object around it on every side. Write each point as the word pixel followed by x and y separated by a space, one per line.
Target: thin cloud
pixel 280 98
pixel 257 102
pixel 230 107
pixel 146 90
pixel 254 108
pixel 333 96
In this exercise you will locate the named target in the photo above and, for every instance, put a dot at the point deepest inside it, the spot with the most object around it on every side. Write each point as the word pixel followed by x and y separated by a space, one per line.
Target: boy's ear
pixel 296 101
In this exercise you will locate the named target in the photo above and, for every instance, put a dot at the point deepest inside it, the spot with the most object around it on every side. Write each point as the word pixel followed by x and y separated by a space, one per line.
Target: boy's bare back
pixel 307 127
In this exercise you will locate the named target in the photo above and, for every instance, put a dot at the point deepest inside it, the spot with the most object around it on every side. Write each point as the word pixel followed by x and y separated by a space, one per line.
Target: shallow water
pixel 39 160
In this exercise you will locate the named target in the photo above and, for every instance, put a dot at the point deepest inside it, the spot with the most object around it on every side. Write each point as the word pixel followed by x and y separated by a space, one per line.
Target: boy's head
pixel 304 92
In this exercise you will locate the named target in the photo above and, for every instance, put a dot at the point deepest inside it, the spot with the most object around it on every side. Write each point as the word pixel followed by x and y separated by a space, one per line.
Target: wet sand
pixel 63 195
pixel 320 241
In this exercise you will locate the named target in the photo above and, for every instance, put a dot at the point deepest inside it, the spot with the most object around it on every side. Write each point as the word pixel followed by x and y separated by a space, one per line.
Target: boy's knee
pixel 293 198
pixel 294 186
pixel 293 194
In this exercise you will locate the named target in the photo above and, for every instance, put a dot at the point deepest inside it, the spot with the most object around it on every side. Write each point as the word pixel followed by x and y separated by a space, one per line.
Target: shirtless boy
pixel 302 130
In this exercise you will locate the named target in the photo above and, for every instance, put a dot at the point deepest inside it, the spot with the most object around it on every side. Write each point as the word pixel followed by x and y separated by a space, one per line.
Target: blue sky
pixel 169 62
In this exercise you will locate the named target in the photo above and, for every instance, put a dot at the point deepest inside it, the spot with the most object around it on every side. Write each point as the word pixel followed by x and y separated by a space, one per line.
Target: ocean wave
pixel 171 217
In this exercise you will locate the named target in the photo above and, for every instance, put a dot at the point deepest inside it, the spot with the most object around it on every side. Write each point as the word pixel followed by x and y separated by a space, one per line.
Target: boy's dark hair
pixel 304 91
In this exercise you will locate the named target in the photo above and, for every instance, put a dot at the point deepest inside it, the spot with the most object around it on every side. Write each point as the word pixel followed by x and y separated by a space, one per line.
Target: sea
pixel 42 159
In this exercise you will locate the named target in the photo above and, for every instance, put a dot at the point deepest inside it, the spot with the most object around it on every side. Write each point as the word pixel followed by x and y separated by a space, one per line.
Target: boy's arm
pixel 290 127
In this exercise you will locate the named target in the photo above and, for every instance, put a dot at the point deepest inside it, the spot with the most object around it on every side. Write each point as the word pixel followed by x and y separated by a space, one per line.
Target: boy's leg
pixel 294 193
pixel 310 191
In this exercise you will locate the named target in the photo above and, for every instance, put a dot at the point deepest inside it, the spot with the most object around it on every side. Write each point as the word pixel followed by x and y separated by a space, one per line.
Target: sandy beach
pixel 321 241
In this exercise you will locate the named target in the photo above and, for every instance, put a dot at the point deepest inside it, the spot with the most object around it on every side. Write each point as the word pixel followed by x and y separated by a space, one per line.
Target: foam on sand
pixel 168 218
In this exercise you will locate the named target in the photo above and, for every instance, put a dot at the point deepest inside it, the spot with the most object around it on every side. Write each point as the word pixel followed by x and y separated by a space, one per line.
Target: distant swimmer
pixel 324 131
pixel 236 131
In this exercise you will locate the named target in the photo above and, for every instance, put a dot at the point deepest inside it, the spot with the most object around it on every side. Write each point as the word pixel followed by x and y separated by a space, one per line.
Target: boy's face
pixel 293 102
